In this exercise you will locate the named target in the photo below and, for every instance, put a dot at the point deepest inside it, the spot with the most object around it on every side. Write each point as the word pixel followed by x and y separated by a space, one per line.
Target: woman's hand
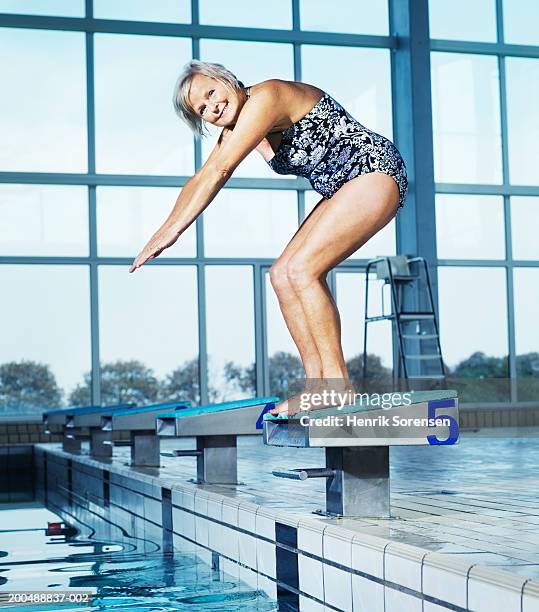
pixel 163 238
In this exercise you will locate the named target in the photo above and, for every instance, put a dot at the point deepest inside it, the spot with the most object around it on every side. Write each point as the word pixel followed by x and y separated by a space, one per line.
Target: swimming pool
pixel 122 573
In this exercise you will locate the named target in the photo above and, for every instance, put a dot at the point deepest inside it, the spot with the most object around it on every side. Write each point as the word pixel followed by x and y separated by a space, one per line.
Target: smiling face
pixel 214 102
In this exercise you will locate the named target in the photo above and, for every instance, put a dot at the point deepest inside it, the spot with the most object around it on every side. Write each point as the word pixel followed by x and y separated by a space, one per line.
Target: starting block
pixel 357 440
pixel 216 427
pixel 72 436
pixel 140 423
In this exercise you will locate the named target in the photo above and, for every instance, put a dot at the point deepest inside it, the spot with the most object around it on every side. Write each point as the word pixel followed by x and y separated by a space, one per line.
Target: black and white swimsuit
pixel 329 147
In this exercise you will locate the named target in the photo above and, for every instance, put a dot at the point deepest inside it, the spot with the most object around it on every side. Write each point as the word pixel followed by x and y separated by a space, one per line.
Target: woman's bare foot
pixel 318 393
pixel 299 401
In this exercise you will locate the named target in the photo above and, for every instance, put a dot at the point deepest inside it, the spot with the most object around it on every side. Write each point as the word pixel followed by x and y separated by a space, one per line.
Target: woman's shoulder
pixel 295 98
pixel 286 89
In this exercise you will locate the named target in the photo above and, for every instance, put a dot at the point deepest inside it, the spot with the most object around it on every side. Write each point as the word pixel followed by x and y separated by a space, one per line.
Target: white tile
pixel 247 550
pixel 204 555
pixel 249 577
pixel 201 503
pixel 268 586
pixel 230 543
pixel 403 564
pixel 216 536
pixel 183 523
pixel 490 589
pixel 309 605
pixel 311 576
pixel 337 587
pixel 530 600
pixel 247 517
pixel 337 545
pixel 183 498
pixel 230 568
pixel 230 511
pixel 215 508
pixel 182 545
pixel 367 594
pixel 432 607
pixel 265 558
pixel 201 530
pixel 265 523
pixel 398 601
pixel 310 537
pixel 153 510
pixel 368 554
pixel 445 578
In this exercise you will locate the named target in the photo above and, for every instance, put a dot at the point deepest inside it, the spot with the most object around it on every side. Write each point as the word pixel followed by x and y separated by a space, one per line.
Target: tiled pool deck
pixel 464 529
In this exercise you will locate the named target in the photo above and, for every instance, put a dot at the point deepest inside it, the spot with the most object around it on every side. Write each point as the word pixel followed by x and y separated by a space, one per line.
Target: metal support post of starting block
pixel 145 447
pixel 72 442
pixel 217 462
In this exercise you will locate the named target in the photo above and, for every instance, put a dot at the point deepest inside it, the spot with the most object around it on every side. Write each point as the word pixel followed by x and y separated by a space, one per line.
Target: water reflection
pixel 121 573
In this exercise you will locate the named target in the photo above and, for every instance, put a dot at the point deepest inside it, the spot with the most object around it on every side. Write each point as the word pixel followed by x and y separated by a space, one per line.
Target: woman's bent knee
pixel 279 277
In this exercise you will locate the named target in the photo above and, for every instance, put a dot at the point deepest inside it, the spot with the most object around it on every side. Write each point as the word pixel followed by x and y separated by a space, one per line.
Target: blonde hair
pixel 180 98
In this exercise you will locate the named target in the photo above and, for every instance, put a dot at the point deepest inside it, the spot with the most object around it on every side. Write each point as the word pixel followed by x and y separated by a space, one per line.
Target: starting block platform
pixel 74 419
pixel 357 438
pixel 140 423
pixel 216 427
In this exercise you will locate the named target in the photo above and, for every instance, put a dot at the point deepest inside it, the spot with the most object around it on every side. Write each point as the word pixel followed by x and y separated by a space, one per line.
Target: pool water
pixel 120 574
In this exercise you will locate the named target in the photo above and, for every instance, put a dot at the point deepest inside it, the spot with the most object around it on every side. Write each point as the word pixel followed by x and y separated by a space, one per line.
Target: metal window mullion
pixel 261 345
pixel 190 30
pixel 476 189
pixel 92 217
pixel 201 268
pixel 412 121
pixel 484 48
pixel 301 206
pixel 510 297
pixel 296 45
pixel 125 180
pixel 202 334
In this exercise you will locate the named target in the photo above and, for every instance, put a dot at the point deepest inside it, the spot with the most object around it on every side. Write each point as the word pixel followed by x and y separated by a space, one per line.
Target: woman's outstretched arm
pixel 254 121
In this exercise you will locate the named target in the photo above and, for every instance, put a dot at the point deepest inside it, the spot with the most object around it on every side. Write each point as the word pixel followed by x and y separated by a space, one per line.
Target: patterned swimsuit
pixel 329 147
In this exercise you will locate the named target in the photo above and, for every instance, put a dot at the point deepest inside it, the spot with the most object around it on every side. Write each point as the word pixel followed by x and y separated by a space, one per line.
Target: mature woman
pixel 298 129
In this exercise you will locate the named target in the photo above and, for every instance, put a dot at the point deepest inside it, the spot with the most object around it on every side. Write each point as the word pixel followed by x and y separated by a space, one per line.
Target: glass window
pixel 173 11
pixel 128 216
pixel 524 224
pixel 250 223
pixel 230 332
pixel 520 19
pixel 148 332
pixel 249 62
pixel 43 220
pixel 284 363
pixel 466 118
pixel 45 330
pixel 526 290
pixel 43 107
pixel 365 93
pixel 351 304
pixel 522 78
pixel 446 22
pixel 473 331
pixel 63 8
pixel 351 16
pixel 470 227
pixel 382 243
pixel 247 14
pixel 137 131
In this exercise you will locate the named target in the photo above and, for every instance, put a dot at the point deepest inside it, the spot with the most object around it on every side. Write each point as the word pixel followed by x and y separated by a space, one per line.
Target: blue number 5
pixel 453 425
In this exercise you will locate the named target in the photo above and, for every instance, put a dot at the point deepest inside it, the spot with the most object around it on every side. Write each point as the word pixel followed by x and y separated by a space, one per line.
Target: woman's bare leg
pixel 289 303
pixel 356 212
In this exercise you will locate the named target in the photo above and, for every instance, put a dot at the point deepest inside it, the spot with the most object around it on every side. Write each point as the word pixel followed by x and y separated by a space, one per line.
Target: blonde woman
pixel 298 129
